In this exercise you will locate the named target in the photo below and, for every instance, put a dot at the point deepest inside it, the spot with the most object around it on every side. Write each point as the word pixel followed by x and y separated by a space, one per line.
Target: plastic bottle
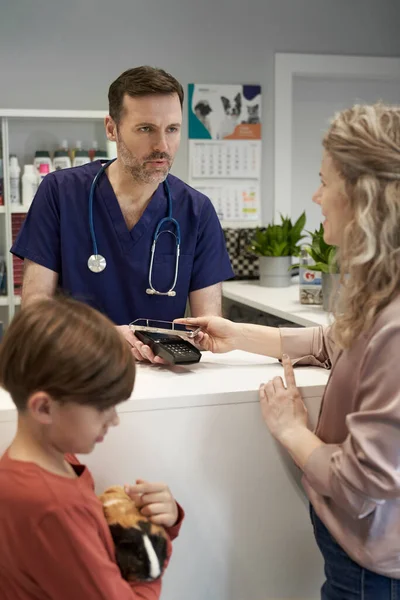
pixel 15 172
pixel 42 157
pixel 44 169
pixel 101 155
pixel 310 284
pixel 93 149
pixel 81 158
pixel 1 183
pixel 30 182
pixel 75 150
pixel 62 159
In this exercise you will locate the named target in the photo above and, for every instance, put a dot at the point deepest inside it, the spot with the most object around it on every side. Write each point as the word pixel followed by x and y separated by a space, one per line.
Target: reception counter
pixel 282 303
pixel 247 534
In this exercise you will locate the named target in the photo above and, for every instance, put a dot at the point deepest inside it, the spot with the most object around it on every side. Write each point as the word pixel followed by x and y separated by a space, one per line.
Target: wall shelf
pixel 17 209
pixel 23 131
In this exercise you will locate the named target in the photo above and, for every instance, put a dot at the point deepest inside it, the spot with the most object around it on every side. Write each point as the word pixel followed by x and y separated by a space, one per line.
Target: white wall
pixel 65 55
pixel 315 101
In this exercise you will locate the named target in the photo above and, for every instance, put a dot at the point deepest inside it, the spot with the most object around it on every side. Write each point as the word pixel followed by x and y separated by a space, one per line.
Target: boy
pixel 66 367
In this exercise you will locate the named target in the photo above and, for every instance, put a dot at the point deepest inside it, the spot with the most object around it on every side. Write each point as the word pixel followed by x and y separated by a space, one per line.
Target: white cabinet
pixel 22 133
pixel 247 533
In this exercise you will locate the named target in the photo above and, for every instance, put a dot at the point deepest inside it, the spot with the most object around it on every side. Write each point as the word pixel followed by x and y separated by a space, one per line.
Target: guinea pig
pixel 140 546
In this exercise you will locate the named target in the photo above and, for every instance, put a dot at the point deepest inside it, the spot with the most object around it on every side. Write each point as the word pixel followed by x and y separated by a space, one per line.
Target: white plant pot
pixel 330 285
pixel 274 271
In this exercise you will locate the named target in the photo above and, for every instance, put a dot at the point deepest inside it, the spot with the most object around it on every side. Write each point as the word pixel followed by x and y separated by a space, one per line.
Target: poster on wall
pixel 224 112
pixel 225 149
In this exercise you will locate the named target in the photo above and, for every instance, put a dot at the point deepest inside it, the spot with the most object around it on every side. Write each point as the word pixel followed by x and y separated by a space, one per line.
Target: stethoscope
pixel 97 263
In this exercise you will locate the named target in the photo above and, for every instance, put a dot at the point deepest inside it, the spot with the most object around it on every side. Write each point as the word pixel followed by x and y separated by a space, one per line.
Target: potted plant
pixel 324 257
pixel 275 245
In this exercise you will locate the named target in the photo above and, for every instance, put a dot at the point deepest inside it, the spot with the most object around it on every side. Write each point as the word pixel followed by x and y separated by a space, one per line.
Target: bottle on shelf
pixel 78 147
pixel 15 172
pixel 101 155
pixel 44 170
pixel 93 150
pixel 30 182
pixel 62 159
pixel 42 157
pixel 81 158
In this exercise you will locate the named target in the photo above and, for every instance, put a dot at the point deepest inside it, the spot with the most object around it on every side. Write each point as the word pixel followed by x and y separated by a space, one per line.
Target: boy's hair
pixel 68 350
pixel 141 81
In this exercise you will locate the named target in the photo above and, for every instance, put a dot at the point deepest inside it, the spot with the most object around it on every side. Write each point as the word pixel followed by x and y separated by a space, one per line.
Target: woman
pixel 351 464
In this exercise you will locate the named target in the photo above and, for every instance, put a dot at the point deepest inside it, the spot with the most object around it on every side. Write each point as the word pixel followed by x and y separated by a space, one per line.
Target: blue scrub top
pixel 56 235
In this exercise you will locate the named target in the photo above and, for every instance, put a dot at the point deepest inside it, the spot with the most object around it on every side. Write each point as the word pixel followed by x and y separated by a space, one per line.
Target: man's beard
pixel 138 170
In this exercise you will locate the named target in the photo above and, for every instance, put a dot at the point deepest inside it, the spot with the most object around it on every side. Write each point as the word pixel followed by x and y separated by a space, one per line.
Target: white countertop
pixel 281 302
pixel 228 378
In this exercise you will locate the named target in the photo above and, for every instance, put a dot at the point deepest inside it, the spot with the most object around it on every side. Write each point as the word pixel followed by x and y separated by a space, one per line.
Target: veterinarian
pixel 126 237
pixel 351 464
pixel 66 368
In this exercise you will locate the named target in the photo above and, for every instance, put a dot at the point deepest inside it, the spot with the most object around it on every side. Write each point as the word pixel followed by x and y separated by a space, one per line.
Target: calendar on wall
pixel 236 159
pixel 225 148
pixel 233 201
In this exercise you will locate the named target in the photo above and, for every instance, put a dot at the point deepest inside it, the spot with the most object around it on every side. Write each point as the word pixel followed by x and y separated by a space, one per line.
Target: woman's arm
pixel 304 345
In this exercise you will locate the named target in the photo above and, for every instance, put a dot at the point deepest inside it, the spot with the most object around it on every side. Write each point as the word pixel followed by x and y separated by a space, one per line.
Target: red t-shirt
pixel 54 540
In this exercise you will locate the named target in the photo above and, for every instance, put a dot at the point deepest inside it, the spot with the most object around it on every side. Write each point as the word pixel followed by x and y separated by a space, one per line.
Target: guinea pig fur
pixel 140 546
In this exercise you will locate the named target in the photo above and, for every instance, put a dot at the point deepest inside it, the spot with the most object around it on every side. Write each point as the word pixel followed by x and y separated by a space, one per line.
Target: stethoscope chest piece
pixel 96 263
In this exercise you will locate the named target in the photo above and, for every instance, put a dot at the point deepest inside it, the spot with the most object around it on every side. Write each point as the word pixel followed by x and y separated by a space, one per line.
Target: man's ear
pixel 111 128
pixel 40 405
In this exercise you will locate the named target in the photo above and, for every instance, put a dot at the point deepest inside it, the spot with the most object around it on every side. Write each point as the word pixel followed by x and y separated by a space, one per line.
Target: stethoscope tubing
pixel 169 219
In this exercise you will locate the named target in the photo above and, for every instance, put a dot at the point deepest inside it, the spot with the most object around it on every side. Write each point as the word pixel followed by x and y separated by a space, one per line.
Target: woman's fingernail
pixel 285 356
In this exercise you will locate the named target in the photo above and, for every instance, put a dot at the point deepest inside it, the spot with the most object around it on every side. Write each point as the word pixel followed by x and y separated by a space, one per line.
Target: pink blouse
pixel 353 481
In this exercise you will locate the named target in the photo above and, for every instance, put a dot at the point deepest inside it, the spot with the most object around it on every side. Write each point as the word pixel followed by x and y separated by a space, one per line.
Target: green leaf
pixel 318 267
pixel 323 254
pixel 279 239
pixel 298 227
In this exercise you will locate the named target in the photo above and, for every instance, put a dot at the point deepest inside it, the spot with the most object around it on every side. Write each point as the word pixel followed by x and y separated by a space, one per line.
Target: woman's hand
pixel 155 501
pixel 217 334
pixel 282 407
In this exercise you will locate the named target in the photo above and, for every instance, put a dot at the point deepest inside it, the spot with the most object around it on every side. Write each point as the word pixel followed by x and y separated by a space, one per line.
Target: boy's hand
pixel 155 501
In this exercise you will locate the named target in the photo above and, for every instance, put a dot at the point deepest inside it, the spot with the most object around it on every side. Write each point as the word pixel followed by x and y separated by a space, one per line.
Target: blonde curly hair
pixel 364 143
